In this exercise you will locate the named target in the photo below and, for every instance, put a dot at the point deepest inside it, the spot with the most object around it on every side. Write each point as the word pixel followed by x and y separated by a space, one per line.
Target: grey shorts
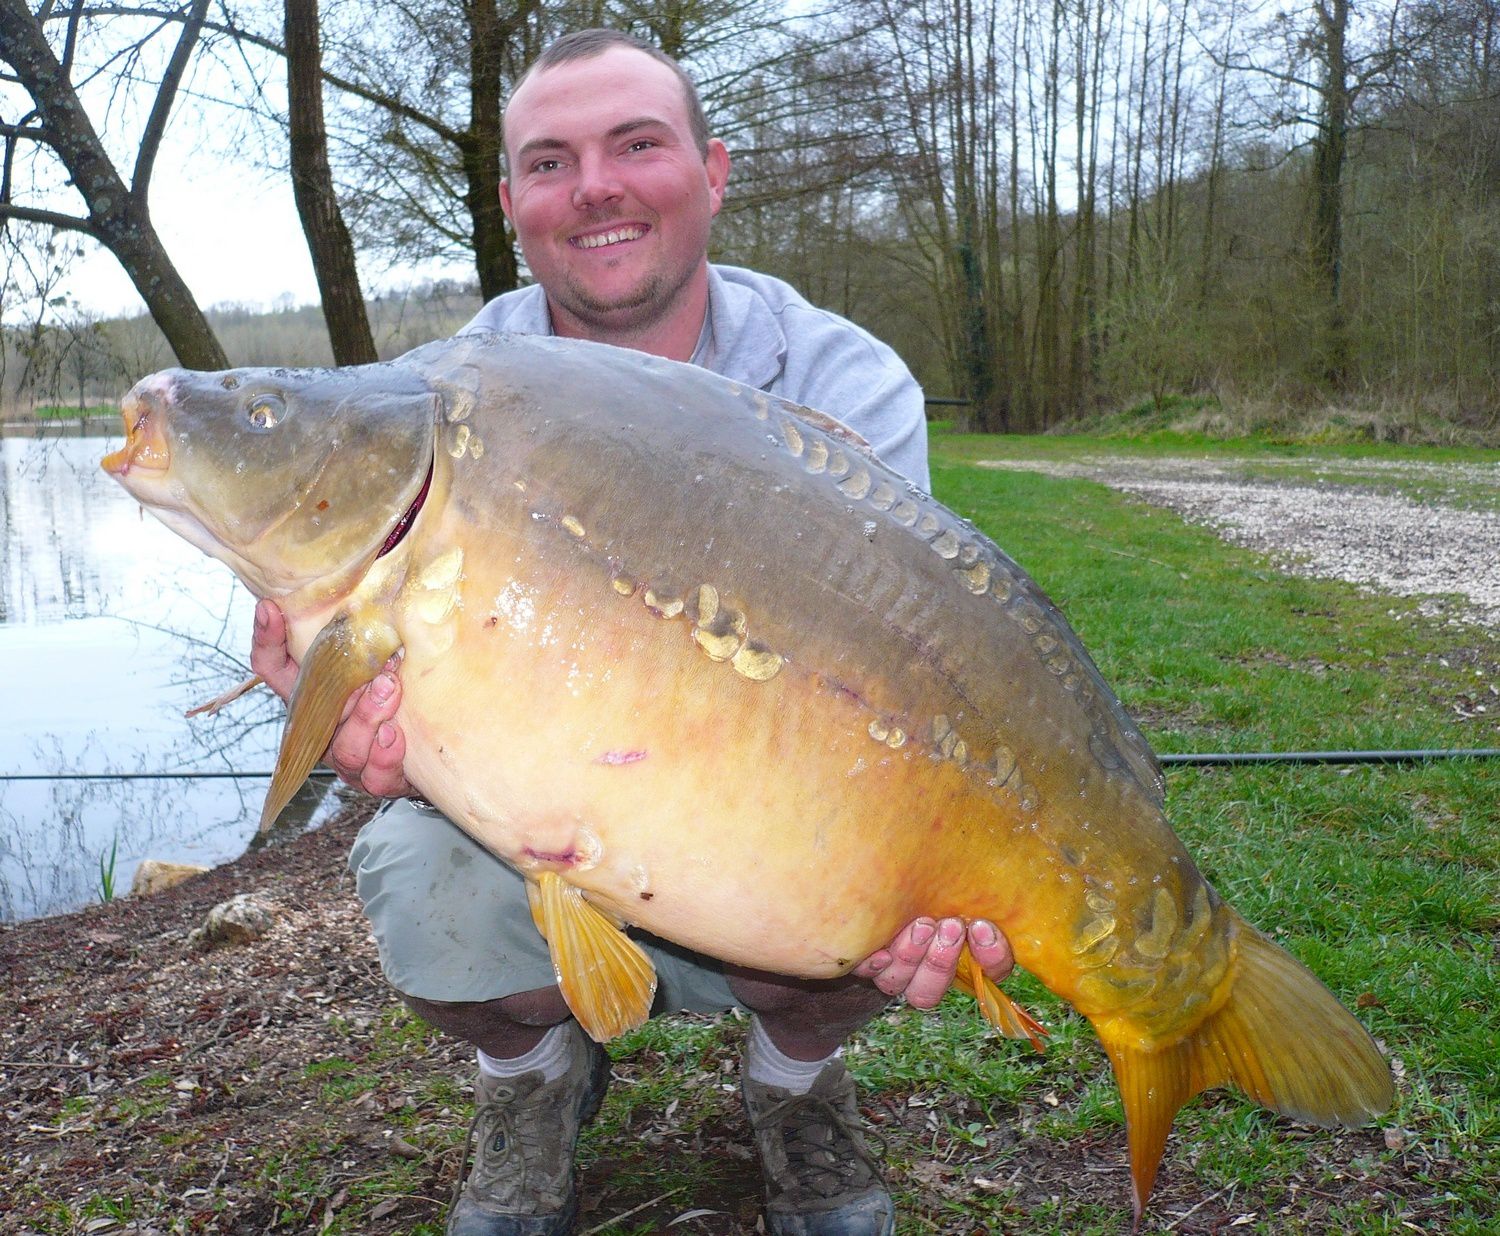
pixel 452 921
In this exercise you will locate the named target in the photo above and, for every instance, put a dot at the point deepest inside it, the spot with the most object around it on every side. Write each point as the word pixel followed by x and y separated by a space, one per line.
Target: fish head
pixel 297 478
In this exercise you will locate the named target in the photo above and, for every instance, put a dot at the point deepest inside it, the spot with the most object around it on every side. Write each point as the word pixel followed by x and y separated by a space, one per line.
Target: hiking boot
pixel 521 1180
pixel 821 1179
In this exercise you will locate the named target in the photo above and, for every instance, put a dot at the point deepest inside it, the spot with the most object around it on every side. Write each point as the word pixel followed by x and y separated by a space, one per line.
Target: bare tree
pixel 115 214
pixel 1321 64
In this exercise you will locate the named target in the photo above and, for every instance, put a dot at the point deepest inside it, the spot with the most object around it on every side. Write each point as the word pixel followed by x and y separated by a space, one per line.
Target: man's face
pixel 607 191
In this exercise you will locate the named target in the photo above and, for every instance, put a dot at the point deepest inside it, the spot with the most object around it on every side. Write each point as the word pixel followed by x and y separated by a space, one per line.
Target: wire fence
pixel 1177 759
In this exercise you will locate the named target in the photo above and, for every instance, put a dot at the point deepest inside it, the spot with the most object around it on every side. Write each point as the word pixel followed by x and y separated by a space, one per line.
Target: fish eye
pixel 265 411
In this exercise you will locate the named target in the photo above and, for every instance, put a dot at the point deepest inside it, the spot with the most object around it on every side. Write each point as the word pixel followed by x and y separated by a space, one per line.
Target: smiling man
pixel 613 185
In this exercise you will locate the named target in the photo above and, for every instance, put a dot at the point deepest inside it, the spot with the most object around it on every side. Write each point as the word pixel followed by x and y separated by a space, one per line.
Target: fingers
pixel 368 748
pixel 991 950
pixel 922 960
pixel 268 652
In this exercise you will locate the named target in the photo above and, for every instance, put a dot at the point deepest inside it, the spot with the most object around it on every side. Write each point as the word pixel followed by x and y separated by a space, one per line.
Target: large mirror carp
pixel 689 658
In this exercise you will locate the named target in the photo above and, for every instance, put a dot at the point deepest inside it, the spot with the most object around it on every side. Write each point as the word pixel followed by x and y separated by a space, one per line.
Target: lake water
pixel 111 627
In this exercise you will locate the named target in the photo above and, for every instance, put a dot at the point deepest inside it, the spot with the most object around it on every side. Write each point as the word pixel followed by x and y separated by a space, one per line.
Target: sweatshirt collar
pixel 742 339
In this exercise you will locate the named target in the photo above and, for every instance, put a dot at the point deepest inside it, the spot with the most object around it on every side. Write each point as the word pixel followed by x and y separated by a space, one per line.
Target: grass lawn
pixel 58 413
pixel 1384 880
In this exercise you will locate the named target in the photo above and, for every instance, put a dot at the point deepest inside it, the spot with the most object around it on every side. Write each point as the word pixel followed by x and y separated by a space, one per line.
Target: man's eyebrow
pixel 541 143
pixel 626 127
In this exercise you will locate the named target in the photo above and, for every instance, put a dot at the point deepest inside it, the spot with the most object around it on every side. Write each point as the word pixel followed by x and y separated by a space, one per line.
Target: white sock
pixel 551 1057
pixel 770 1066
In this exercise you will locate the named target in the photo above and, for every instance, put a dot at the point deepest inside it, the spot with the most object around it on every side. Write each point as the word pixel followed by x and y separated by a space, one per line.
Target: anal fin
pixel 345 655
pixel 999 1010
pixel 605 976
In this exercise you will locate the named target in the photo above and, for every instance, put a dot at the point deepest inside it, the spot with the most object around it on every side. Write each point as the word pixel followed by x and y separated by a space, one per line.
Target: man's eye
pixel 643 143
pixel 546 165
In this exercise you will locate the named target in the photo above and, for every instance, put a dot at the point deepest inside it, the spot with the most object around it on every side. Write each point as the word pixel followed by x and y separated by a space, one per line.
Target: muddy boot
pixel 520 1182
pixel 821 1179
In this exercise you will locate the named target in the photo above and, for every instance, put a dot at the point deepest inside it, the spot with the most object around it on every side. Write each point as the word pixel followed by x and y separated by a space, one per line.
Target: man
pixel 613 183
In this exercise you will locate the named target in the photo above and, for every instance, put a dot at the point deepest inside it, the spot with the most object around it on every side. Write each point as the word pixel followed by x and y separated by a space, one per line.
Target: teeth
pixel 610 238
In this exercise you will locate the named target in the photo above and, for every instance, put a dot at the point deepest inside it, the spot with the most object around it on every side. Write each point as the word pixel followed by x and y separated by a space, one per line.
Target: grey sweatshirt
pixel 761 332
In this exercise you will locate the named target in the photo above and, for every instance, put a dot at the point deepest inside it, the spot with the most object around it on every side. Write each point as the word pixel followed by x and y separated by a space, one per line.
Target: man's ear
pixel 505 197
pixel 716 164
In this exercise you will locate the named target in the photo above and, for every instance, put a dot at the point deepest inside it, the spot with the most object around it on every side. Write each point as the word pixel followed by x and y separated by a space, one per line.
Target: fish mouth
pixel 145 448
pixel 403 525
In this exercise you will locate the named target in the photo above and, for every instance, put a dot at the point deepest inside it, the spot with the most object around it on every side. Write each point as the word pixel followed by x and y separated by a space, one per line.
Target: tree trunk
pixel 312 186
pixel 494 256
pixel 1330 149
pixel 117 218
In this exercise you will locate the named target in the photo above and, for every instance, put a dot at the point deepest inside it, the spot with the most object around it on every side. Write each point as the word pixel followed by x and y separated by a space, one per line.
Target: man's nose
pixel 598 182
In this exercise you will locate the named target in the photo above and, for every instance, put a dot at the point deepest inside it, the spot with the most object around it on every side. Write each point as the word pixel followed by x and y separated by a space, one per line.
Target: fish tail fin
pixel 999 1010
pixel 1281 1037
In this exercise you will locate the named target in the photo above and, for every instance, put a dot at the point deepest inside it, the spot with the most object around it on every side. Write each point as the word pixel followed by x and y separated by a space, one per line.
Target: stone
pixel 155 875
pixel 242 918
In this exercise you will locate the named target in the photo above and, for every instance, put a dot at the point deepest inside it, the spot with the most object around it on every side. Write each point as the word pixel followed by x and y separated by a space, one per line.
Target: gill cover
pixel 295 475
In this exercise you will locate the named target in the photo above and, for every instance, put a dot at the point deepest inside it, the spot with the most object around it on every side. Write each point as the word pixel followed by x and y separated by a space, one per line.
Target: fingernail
pixel 950 932
pixel 386 734
pixel 984 934
pixel 261 616
pixel 877 964
pixel 922 932
pixel 381 689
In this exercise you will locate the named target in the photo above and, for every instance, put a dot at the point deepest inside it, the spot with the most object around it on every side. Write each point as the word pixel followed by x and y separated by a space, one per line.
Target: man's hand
pixel 922 960
pixel 368 748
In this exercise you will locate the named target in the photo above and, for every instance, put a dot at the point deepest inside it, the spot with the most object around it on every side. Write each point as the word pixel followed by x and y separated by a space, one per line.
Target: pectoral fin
pixel 999 1010
pixel 605 976
pixel 345 655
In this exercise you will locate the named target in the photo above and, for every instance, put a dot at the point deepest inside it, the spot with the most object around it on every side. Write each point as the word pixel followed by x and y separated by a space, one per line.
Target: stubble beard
pixel 647 304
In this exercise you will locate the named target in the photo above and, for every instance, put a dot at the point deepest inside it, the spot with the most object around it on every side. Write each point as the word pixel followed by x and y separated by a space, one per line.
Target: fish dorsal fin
pixel 346 654
pixel 605 976
pixel 834 428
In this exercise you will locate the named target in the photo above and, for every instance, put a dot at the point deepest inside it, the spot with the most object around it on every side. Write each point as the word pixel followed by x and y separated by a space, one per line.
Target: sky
pixel 222 208
pixel 230 240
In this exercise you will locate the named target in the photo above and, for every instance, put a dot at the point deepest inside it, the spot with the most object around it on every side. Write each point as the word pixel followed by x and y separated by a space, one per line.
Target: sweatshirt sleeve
pixel 839 368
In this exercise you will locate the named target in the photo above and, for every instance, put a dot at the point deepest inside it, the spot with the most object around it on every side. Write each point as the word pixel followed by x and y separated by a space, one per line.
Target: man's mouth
pixel 615 236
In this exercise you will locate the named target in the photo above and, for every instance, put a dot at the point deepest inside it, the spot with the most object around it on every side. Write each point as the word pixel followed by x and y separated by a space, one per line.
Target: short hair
pixel 585 44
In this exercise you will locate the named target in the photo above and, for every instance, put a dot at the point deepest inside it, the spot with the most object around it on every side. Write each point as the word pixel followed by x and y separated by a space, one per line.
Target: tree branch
pixel 50 218
pixel 368 93
pixel 156 123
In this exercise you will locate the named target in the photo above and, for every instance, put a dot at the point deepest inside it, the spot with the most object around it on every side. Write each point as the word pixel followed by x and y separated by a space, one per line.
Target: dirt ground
pixel 133 1065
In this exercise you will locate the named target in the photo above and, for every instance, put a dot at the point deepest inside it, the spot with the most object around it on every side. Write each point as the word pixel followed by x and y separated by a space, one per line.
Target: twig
pixel 43 1064
pixel 625 1214
pixel 1138 557
pixel 1167 1227
pixel 223 1166
pixel 218 702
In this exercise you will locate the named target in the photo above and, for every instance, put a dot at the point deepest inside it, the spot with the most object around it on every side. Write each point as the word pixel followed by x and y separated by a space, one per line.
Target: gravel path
pixel 1332 526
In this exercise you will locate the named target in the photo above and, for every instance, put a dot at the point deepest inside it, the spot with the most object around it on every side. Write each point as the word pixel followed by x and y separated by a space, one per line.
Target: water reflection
pixel 110 628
